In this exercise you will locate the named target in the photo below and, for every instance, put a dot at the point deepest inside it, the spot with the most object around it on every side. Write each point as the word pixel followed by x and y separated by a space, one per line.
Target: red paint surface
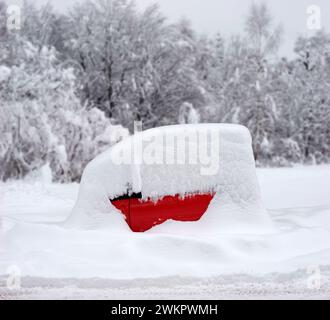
pixel 143 215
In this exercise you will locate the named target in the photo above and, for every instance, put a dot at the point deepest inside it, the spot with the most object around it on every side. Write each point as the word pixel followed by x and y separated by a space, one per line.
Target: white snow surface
pixel 34 239
pixel 212 158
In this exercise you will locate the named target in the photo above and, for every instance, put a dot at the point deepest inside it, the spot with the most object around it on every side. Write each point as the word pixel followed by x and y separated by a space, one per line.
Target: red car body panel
pixel 142 215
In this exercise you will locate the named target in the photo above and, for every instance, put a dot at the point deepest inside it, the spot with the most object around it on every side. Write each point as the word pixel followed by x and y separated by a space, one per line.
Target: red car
pixel 141 215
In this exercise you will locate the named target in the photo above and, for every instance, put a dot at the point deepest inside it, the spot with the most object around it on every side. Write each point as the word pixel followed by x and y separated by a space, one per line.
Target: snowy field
pixel 60 263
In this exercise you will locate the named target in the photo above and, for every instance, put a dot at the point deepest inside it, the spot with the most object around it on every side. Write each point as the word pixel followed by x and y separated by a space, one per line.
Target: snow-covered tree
pixel 311 91
pixel 134 65
pixel 263 40
pixel 188 114
pixel 42 120
pixel 243 83
pixel 69 82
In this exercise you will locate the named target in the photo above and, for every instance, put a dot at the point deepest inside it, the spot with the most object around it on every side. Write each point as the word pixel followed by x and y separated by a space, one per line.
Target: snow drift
pixel 32 238
pixel 172 160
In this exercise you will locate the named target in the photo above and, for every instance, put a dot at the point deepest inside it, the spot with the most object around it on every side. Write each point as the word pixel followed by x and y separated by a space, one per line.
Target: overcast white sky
pixel 227 16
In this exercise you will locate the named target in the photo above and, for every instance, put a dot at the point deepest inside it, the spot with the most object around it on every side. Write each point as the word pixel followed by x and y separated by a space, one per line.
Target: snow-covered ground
pixel 60 263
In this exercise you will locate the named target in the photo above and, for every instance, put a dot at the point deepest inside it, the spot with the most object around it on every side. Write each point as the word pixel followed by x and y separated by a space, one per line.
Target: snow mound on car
pixel 182 159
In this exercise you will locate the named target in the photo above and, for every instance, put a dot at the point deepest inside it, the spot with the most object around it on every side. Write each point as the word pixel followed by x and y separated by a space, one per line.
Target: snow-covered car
pixel 181 172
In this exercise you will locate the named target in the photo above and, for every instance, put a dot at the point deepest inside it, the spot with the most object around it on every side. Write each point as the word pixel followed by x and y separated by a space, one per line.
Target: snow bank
pixel 33 240
pixel 172 160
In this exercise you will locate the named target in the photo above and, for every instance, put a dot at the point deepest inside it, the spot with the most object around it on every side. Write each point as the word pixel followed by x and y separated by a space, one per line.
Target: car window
pixel 128 196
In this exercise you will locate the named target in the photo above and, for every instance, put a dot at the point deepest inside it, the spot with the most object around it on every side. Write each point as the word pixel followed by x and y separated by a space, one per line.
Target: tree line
pixel 72 84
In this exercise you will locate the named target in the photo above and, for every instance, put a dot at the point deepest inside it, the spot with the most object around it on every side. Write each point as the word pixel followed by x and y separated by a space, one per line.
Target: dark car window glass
pixel 128 196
